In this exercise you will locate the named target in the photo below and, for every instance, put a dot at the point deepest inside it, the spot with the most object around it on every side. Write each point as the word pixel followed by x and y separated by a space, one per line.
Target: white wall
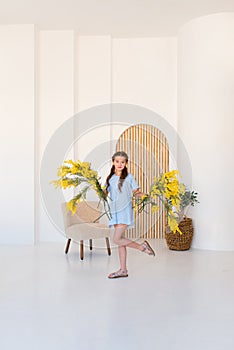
pixel 74 73
pixel 17 96
pixel 206 123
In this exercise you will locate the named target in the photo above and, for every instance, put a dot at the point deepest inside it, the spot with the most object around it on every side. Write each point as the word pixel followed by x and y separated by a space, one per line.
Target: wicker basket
pixel 176 241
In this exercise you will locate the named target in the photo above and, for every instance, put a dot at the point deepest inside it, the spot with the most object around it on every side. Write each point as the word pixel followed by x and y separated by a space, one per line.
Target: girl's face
pixel 119 163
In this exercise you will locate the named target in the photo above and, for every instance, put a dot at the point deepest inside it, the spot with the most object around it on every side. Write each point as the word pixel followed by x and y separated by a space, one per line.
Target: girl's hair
pixel 124 173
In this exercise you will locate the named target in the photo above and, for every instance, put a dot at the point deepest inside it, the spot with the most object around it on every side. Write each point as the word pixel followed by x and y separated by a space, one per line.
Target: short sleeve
pixel 134 184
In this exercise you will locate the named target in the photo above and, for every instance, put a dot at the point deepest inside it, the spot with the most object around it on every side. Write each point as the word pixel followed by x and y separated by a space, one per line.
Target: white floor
pixel 178 300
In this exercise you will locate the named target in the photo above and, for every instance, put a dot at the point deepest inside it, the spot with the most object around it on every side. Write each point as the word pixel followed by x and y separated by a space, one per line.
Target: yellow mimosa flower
pixel 144 196
pixel 73 174
pixel 74 170
pixel 63 171
pixel 70 161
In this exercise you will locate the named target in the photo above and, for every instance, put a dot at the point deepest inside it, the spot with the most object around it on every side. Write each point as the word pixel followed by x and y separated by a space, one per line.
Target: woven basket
pixel 176 241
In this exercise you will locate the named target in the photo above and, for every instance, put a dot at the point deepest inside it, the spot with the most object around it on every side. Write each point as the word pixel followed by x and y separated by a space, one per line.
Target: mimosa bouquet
pixel 80 175
pixel 173 195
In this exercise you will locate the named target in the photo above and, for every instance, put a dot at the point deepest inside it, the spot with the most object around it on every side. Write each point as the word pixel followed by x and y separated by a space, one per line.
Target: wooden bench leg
pixel 81 249
pixel 108 246
pixel 90 244
pixel 68 245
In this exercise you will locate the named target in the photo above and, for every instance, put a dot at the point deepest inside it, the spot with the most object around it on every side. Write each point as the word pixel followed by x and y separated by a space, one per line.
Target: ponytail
pixel 109 176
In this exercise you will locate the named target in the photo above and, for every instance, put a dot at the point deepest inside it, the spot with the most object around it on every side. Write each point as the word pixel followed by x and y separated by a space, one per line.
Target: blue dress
pixel 121 201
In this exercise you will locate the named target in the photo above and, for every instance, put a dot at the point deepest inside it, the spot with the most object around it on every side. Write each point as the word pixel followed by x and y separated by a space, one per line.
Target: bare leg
pixel 122 241
pixel 123 257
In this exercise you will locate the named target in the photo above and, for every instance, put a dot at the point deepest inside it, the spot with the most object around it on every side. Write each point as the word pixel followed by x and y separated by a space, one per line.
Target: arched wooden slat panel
pixel 148 153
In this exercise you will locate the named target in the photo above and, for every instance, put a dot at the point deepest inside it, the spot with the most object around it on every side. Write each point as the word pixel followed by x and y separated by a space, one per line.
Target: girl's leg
pixel 122 243
pixel 122 250
pixel 118 235
pixel 122 272
pixel 120 240
pixel 123 257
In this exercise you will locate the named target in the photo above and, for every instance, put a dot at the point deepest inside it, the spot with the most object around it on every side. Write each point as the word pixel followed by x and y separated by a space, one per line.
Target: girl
pixel 121 185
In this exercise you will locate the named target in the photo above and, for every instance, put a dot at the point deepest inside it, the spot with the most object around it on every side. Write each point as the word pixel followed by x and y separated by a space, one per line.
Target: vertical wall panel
pixel 93 71
pixel 206 124
pixel 93 81
pixel 17 79
pixel 55 105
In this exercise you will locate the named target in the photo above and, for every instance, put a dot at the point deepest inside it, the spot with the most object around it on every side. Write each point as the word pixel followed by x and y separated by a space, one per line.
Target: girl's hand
pixel 140 194
pixel 141 200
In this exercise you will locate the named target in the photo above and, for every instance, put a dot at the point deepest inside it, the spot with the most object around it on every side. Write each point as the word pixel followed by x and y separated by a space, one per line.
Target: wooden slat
pixel 141 143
